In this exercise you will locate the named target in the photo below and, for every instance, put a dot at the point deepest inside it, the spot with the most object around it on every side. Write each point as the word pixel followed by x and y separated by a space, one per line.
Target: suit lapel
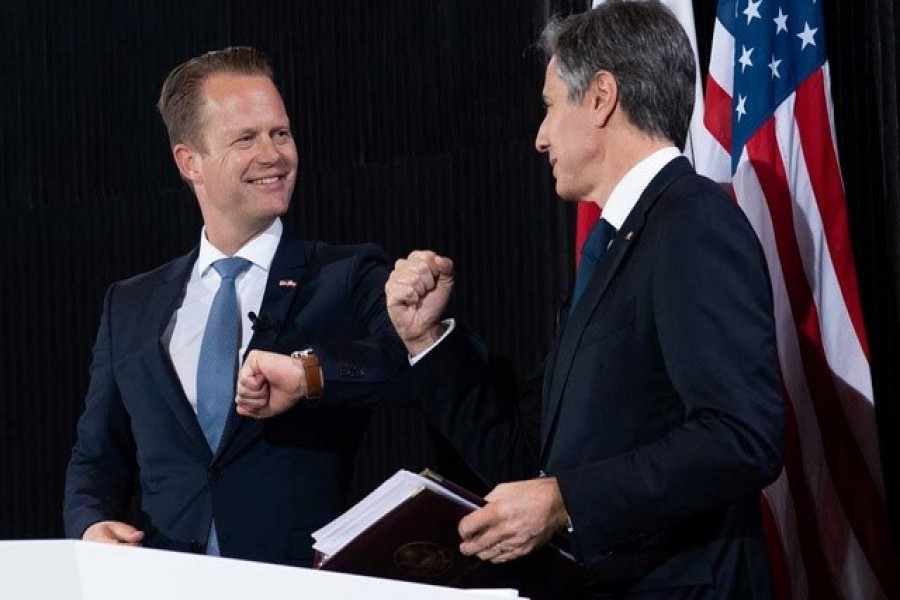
pixel 164 300
pixel 287 282
pixel 558 369
pixel 287 290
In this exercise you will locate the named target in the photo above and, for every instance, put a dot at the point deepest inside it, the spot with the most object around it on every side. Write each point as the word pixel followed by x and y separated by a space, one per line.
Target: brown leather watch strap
pixel 313 371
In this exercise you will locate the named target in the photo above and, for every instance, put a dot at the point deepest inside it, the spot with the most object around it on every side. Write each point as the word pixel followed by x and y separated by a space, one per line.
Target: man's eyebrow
pixel 239 131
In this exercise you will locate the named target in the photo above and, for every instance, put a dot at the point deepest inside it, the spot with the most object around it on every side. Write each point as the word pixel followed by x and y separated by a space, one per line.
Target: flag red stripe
pixel 717 116
pixel 857 492
pixel 781 577
pixel 824 174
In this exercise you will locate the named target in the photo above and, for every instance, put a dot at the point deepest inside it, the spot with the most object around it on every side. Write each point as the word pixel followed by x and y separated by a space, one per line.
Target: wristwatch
pixel 313 371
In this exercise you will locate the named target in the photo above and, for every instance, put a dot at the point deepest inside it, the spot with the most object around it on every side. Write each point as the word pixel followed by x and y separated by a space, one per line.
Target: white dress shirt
pixel 629 189
pixel 184 333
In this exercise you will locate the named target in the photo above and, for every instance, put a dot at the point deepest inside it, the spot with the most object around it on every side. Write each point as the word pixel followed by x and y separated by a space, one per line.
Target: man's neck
pixel 228 238
pixel 635 146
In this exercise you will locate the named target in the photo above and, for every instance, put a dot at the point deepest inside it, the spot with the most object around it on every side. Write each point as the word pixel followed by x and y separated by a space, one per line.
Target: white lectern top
pixel 75 570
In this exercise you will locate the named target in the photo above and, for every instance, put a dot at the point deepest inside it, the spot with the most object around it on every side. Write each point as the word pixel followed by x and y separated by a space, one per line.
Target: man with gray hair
pixel 657 417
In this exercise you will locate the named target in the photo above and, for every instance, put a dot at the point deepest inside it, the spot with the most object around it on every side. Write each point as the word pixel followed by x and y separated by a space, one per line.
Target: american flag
pixel 770 137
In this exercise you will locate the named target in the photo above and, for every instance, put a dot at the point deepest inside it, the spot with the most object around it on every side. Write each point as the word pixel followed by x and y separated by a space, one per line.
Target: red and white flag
pixel 769 136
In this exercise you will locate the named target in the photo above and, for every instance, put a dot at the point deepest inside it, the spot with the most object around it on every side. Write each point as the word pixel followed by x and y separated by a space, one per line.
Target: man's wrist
pixel 425 341
pixel 312 370
pixel 434 336
pixel 563 519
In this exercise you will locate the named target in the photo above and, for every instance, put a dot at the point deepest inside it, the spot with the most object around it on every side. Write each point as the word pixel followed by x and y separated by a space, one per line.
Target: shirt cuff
pixel 449 324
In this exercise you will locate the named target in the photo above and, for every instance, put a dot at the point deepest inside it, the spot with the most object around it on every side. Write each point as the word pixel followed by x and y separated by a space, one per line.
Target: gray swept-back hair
pixel 644 47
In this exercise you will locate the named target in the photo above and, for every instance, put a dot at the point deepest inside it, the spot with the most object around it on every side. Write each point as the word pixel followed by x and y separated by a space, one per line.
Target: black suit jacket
pixel 659 410
pixel 271 482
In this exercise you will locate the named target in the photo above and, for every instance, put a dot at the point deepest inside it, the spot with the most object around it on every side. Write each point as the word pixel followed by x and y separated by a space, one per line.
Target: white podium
pixel 74 570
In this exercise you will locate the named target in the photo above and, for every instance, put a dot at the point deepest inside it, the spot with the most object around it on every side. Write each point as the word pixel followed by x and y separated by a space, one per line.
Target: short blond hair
pixel 181 98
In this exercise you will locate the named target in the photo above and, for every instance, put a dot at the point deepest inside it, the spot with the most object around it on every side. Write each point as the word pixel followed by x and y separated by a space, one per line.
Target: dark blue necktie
pixel 594 246
pixel 217 364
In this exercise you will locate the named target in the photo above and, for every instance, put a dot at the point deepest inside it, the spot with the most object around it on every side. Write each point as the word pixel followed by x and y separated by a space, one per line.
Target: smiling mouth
pixel 267 180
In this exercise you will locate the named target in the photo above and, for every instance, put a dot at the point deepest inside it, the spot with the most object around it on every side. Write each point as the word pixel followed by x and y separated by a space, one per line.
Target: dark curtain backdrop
pixel 862 47
pixel 415 123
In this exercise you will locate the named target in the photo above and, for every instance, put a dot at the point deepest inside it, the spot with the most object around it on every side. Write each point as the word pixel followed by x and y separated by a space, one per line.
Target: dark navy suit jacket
pixel 659 410
pixel 271 482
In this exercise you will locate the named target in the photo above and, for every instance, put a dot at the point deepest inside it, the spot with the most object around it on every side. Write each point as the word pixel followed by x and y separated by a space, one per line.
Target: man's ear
pixel 603 96
pixel 187 158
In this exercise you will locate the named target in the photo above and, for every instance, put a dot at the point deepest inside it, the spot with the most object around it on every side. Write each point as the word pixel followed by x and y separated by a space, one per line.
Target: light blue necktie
pixel 218 361
pixel 593 248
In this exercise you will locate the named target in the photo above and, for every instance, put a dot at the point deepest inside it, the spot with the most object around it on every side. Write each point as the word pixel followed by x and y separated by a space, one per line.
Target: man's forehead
pixel 242 94
pixel 225 80
pixel 223 88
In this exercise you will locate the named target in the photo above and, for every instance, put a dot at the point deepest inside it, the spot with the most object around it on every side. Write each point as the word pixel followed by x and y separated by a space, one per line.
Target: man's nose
pixel 541 144
pixel 268 150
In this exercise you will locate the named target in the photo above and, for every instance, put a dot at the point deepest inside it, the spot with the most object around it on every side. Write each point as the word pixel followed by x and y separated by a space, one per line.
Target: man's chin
pixel 566 194
pixel 273 200
pixel 270 211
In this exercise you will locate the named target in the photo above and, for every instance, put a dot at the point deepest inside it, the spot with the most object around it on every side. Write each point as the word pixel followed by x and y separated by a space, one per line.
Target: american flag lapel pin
pixel 287 283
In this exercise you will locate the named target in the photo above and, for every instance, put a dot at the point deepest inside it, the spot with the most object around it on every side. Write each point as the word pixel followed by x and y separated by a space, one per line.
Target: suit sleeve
pixel 102 470
pixel 712 309
pixel 359 372
pixel 476 408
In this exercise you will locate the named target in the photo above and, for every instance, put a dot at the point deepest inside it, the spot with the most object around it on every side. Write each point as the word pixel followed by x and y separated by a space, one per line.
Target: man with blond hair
pixel 159 413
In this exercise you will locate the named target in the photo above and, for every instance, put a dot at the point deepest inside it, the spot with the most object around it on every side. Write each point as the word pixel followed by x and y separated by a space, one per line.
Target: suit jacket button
pixel 196 547
pixel 351 372
pixel 214 474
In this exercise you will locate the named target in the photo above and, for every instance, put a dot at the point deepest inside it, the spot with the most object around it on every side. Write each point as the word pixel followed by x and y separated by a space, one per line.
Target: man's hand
pixel 417 293
pixel 113 532
pixel 518 518
pixel 269 384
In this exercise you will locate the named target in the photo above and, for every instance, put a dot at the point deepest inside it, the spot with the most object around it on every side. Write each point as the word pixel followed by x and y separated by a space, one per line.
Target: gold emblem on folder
pixel 423 560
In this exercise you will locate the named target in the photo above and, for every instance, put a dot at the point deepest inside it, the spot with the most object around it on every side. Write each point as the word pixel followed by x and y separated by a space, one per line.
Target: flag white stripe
pixel 826 75
pixel 778 497
pixel 722 70
pixel 712 159
pixel 684 11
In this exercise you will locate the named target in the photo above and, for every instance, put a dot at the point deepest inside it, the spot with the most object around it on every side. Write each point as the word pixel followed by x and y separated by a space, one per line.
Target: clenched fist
pixel 417 293
pixel 269 384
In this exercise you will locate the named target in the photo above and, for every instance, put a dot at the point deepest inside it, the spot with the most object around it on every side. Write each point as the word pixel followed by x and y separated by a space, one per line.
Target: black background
pixel 415 123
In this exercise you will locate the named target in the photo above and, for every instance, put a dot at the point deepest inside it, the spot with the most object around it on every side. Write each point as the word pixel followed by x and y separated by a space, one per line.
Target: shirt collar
pixel 629 189
pixel 260 250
